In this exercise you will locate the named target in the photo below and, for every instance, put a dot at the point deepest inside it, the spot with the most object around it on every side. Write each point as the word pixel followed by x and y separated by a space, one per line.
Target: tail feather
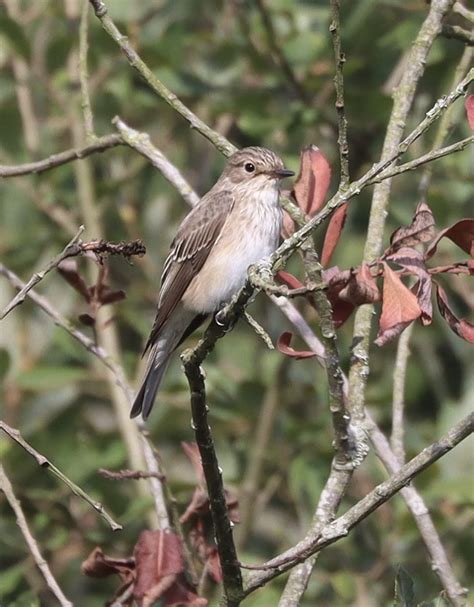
pixel 146 395
pixel 169 339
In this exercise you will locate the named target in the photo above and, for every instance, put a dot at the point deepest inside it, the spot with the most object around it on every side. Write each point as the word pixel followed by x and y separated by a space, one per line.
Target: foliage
pixel 218 58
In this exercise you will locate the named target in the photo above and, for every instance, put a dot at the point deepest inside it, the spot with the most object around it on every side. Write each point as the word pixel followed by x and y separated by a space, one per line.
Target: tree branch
pixel 141 143
pixel 398 395
pixel 101 144
pixel 84 74
pixel 42 461
pixel 341 527
pixel 155 84
pixel 340 59
pixel 41 563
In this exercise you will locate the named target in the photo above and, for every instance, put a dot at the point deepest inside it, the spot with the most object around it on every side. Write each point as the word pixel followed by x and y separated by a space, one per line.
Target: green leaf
pixel 15 36
pixel 4 362
pixel 404 594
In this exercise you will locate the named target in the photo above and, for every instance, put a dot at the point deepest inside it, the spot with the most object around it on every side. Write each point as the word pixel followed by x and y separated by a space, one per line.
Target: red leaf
pixel 333 233
pixel 87 319
pixel 312 183
pixel 461 233
pixel 337 281
pixel 283 345
pixel 469 105
pixel 420 230
pixel 68 269
pixel 100 565
pixel 400 307
pixel 107 296
pixel 192 451
pixel 413 261
pixel 462 327
pixel 289 280
pixel 361 287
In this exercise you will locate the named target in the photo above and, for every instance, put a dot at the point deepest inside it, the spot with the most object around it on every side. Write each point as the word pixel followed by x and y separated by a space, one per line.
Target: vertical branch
pixel 403 99
pixel 340 59
pixel 398 395
pixel 41 563
pixel 231 573
pixel 84 73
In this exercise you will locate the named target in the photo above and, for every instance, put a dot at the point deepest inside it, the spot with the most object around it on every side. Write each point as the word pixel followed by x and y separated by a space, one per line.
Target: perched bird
pixel 236 224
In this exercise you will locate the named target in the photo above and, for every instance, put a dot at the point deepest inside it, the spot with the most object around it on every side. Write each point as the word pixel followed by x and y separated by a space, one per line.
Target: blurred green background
pixel 217 57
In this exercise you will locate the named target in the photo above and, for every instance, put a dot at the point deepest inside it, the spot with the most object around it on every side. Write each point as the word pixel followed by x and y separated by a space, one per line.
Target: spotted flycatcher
pixel 236 224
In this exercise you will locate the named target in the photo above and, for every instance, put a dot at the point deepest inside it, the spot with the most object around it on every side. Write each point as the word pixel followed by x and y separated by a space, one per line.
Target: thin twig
pixel 155 84
pixel 101 144
pixel 414 501
pixel 259 330
pixel 123 475
pixel 42 564
pixel 142 144
pixel 38 276
pixel 277 52
pixel 116 372
pixel 425 159
pixel 260 277
pixel 44 462
pixel 341 527
pixel 458 33
pixel 398 395
pixel 340 59
pixel 394 145
pixel 439 559
pixel 84 74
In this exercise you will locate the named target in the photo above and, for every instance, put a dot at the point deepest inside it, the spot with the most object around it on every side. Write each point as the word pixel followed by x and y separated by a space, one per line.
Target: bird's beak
pixel 282 173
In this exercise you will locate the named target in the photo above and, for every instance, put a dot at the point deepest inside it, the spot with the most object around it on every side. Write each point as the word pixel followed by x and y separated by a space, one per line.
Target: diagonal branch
pixel 341 527
pixel 44 462
pixel 101 144
pixel 43 566
pixel 155 84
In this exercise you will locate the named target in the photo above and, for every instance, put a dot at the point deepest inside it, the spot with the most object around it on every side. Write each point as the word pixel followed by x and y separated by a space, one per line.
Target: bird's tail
pixel 158 360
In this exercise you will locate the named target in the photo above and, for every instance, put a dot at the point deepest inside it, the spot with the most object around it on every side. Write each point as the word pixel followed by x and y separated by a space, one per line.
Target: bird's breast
pixel 250 234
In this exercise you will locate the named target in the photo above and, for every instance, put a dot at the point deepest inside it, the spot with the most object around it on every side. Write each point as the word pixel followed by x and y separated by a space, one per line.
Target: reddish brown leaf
pixel 420 230
pixel 413 261
pixel 289 280
pixel 283 345
pixel 99 565
pixel 461 327
pixel 68 269
pixel 399 308
pixel 461 233
pixel 87 319
pixel 361 287
pixel 469 105
pixel 160 571
pixel 312 183
pixel 107 296
pixel 192 452
pixel 337 281
pixel 333 233
pixel 288 227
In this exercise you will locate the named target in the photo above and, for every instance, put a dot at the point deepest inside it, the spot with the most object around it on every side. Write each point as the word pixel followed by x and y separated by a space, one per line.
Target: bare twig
pixel 142 144
pixel 101 144
pixel 43 566
pixel 155 84
pixel 440 562
pixel 393 145
pixel 462 10
pixel 116 372
pixel 84 74
pixel 260 277
pixel 414 501
pixel 277 52
pixel 259 330
pixel 425 159
pixel 398 395
pixel 458 33
pixel 44 462
pixel 340 59
pixel 340 527
pixel 122 475
pixel 38 276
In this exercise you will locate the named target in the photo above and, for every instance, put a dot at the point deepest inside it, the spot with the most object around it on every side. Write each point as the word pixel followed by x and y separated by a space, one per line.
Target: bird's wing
pixel 197 235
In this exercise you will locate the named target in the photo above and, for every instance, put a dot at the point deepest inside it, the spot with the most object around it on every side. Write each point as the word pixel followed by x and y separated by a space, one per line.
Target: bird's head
pixel 255 166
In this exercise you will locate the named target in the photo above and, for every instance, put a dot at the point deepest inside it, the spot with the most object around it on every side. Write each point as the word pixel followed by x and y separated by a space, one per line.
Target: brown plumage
pixel 235 224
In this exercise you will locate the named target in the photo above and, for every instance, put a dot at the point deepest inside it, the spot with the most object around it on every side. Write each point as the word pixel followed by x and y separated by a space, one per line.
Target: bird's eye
pixel 249 167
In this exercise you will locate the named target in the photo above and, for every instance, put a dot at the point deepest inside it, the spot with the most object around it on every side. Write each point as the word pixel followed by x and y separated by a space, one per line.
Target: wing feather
pixel 189 250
